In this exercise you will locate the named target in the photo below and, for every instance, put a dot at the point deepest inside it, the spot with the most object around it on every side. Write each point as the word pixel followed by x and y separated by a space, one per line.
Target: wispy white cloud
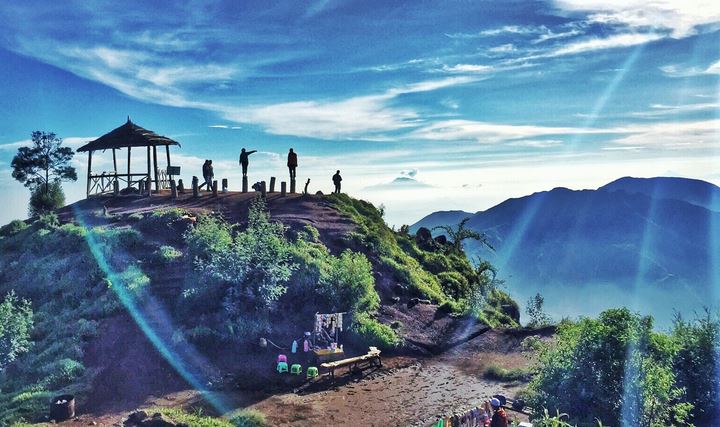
pixel 367 117
pixel 663 110
pixel 505 48
pixel 508 29
pixel 611 42
pixel 677 70
pixel 468 68
pixel 225 127
pixel 555 36
pixel 673 135
pixel 73 142
pixel 681 18
pixel 536 143
pixel 491 133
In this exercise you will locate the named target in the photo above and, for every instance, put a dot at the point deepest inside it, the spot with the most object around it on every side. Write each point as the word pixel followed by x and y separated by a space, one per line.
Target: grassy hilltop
pixel 110 281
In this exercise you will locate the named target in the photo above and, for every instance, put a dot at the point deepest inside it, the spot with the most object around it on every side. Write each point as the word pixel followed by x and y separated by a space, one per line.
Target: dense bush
pixel 615 368
pixel 696 365
pixel 258 271
pixel 16 321
pixel 370 332
pixel 210 235
pixel 13 227
pixel 167 254
pixel 348 284
pixel 42 201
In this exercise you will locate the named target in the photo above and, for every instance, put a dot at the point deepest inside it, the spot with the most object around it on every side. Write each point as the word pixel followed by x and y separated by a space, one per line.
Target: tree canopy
pixel 43 163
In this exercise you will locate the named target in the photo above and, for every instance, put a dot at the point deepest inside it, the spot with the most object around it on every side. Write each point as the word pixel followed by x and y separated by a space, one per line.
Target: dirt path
pixel 412 395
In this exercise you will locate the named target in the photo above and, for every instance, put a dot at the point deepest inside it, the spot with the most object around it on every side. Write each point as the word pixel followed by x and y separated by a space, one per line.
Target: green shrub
pixel 23 406
pixel 42 201
pixel 135 217
pixel 373 333
pixel 614 367
pixel 348 283
pixel 62 373
pixel 249 418
pixel 16 322
pixel 698 355
pixel 48 220
pixel 498 373
pixel 197 419
pixel 210 235
pixel 454 284
pixel 13 227
pixel 167 254
pixel 536 312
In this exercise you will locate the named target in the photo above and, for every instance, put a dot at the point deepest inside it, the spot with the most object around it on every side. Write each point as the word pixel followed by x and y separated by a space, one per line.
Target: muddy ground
pixel 406 391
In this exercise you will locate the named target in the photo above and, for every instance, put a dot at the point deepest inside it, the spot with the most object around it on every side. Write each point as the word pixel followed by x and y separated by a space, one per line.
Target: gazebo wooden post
pixel 115 169
pixel 87 193
pixel 167 154
pixel 157 175
pixel 148 187
pixel 129 179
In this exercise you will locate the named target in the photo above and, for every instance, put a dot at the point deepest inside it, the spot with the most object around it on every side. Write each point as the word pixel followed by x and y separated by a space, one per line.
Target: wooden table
pixel 371 358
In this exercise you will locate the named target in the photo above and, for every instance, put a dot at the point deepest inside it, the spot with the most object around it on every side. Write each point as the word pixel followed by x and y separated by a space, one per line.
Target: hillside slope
pixel 126 307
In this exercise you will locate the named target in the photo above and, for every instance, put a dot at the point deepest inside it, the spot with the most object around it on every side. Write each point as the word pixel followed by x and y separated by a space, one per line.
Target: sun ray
pixel 185 363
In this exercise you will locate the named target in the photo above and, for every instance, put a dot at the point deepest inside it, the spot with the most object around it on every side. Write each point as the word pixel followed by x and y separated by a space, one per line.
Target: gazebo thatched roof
pixel 127 135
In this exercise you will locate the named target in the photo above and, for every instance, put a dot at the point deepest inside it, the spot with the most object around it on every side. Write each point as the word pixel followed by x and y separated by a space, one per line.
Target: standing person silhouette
pixel 292 163
pixel 205 173
pixel 209 177
pixel 244 161
pixel 337 179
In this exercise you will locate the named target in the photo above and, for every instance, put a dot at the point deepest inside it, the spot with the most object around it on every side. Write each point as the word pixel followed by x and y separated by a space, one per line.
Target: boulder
pixel 441 239
pixel 158 420
pixel 135 418
pixel 423 236
pixel 399 289
pixel 512 311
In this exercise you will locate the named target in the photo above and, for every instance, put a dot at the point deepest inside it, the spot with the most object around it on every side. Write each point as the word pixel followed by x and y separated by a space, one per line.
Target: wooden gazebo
pixel 128 136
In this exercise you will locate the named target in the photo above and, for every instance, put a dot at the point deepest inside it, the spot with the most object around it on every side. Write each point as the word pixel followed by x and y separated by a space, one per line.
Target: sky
pixel 467 102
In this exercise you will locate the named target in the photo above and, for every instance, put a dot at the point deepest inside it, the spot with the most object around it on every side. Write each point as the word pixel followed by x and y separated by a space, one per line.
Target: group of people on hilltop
pixel 292 164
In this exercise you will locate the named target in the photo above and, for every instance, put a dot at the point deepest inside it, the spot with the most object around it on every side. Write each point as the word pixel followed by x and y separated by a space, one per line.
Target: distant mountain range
pixel 635 239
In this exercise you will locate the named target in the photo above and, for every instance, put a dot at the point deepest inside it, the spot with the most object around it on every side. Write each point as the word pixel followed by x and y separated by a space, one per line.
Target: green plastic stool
pixel 312 372
pixel 296 369
pixel 282 367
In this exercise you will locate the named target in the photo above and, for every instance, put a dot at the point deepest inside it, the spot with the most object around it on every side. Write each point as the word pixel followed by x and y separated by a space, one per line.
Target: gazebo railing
pixel 104 183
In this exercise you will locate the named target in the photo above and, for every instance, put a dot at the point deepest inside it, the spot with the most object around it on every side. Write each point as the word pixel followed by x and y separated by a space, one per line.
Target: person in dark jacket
pixel 205 173
pixel 337 179
pixel 210 175
pixel 244 161
pixel 499 418
pixel 292 163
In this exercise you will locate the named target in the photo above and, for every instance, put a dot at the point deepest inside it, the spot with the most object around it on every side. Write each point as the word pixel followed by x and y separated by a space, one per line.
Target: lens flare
pixel 151 321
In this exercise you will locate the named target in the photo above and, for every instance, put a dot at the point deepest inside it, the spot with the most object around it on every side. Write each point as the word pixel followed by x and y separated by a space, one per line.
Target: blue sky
pixel 480 101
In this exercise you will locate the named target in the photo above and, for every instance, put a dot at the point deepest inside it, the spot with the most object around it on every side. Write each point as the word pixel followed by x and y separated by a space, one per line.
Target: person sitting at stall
pixel 499 418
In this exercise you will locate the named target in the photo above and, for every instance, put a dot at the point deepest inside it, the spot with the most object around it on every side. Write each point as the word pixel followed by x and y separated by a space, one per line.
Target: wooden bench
pixel 355 364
